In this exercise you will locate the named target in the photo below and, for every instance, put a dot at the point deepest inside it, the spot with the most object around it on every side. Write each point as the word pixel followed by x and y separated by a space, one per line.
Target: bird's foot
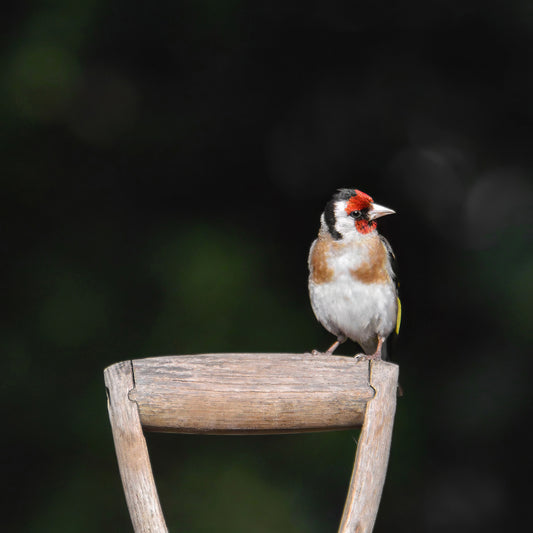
pixel 372 356
pixel 365 357
pixel 330 350
pixel 333 347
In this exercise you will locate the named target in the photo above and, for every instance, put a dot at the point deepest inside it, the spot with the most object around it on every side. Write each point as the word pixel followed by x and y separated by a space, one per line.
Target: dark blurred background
pixel 164 167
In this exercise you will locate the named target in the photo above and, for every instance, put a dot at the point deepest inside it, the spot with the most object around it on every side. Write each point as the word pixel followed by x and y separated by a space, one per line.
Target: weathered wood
pixel 250 393
pixel 371 459
pixel 132 453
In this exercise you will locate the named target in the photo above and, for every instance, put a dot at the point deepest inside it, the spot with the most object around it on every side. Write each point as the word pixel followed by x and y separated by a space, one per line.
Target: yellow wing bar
pixel 398 315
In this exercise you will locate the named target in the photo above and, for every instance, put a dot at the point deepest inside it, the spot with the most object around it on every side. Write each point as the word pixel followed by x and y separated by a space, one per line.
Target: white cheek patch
pixel 344 223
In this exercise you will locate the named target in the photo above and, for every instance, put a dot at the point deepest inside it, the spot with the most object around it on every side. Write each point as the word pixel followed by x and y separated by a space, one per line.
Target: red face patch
pixel 365 226
pixel 358 202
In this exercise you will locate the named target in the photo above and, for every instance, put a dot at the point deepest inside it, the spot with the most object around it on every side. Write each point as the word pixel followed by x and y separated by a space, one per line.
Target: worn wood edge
pixel 191 430
pixel 255 393
pixel 372 455
pixel 132 452
pixel 249 363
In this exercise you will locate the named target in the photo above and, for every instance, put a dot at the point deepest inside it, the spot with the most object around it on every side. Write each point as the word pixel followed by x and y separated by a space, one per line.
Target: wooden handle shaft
pixel 132 452
pixel 372 457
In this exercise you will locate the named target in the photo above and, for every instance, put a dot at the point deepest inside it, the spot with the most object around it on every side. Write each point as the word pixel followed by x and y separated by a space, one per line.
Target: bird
pixel 353 286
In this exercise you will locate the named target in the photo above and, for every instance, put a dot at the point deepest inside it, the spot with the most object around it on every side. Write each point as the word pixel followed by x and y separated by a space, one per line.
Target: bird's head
pixel 352 212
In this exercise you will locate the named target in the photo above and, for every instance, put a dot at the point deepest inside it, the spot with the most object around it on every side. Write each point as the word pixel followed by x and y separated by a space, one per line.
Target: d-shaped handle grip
pixel 250 394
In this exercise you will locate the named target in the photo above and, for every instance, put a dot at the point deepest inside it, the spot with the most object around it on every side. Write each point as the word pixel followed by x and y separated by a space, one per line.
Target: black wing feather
pixel 391 340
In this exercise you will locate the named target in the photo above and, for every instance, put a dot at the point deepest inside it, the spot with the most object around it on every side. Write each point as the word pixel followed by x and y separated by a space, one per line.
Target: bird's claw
pixel 318 352
pixel 366 357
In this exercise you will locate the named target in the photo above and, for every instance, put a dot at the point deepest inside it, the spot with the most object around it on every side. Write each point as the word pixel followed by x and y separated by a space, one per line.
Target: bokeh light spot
pixel 41 80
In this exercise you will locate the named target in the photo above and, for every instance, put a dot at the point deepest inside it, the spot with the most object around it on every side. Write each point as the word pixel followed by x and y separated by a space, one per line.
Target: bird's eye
pixel 355 214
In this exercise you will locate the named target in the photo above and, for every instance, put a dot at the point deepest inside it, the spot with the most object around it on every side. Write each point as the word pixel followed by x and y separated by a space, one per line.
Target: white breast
pixel 350 308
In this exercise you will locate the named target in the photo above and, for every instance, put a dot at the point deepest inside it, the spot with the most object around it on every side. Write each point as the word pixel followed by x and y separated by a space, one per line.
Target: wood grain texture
pixel 132 453
pixel 371 459
pixel 250 393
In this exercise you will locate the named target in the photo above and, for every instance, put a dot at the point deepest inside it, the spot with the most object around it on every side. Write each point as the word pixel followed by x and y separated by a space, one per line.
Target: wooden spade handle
pixel 250 394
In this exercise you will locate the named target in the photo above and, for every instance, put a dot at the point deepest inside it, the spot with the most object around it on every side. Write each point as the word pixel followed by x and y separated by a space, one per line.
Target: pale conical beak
pixel 377 211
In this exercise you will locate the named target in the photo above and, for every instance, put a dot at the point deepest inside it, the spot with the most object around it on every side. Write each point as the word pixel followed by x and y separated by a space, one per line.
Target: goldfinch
pixel 352 285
